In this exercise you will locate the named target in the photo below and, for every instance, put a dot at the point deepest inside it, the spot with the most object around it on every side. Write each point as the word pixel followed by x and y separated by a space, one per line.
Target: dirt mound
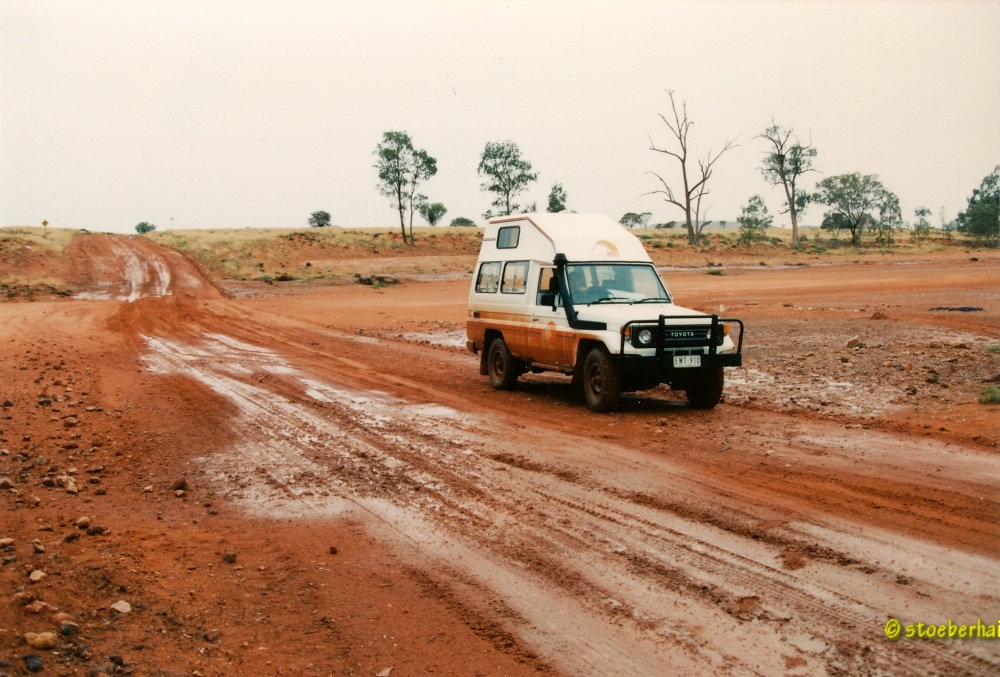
pixel 130 268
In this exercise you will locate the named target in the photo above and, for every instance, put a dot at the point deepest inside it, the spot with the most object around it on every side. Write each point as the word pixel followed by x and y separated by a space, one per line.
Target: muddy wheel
pixel 601 383
pixel 501 366
pixel 705 390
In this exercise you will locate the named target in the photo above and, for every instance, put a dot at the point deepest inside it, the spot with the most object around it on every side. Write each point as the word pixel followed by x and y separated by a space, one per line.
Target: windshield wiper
pixel 654 299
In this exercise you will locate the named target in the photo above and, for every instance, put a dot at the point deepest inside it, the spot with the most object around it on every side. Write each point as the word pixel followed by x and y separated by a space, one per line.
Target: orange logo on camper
pixel 604 248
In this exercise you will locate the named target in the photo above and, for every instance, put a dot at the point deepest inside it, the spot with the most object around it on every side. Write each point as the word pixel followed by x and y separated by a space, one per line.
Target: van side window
pixel 508 236
pixel 489 277
pixel 548 288
pixel 515 275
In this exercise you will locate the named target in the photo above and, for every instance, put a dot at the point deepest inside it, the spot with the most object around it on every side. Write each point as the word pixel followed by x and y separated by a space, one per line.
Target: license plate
pixel 682 361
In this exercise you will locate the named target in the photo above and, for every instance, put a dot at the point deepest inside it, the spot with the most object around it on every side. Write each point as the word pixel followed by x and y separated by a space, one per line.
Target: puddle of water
pixel 94 296
pixel 451 339
pixel 273 472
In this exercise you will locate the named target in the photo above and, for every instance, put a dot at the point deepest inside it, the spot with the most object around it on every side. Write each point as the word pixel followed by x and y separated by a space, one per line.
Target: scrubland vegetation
pixel 329 255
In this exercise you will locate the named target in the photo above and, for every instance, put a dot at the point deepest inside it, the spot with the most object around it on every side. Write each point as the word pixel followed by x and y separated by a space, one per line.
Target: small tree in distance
pixel 853 200
pixel 557 198
pixel 754 221
pixel 506 173
pixel 890 218
pixel 432 212
pixel 981 218
pixel 922 228
pixel 633 220
pixel 143 227
pixel 319 219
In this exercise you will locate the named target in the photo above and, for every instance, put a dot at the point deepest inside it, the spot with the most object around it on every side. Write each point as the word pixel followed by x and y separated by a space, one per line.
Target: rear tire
pixel 501 366
pixel 601 381
pixel 705 391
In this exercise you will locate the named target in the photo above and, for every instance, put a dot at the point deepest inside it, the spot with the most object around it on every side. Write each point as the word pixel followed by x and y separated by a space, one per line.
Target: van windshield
pixel 615 283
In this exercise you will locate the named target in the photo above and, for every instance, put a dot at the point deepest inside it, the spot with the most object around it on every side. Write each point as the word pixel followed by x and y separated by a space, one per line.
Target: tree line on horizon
pixel 855 202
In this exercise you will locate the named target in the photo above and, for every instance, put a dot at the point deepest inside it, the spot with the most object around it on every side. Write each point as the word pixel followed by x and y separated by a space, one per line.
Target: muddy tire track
pixel 564 537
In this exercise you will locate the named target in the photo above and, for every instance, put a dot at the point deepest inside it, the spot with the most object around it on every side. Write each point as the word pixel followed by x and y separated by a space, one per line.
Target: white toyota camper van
pixel 578 294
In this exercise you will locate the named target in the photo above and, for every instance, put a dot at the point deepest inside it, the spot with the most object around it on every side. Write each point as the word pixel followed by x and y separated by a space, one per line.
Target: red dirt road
pixel 320 483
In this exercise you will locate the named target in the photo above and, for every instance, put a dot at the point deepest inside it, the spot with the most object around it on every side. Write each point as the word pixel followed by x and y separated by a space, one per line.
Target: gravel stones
pixel 33 662
pixel 41 640
pixel 121 607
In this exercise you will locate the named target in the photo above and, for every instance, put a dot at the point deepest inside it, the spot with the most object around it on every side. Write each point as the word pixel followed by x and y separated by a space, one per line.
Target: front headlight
pixel 644 337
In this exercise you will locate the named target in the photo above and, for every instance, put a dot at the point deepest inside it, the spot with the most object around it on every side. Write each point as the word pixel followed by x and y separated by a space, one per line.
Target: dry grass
pixel 335 253
pixel 324 253
pixel 46 239
pixel 30 261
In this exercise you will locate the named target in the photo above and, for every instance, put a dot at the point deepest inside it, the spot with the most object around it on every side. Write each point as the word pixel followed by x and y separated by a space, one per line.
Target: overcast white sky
pixel 244 113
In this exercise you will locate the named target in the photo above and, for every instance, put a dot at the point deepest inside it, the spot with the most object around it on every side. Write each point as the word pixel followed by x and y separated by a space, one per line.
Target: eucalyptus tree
pixel 922 227
pixel 557 198
pixel 784 162
pixel 754 220
pixel 401 168
pixel 633 220
pixel 432 211
pixel 505 173
pixel 855 200
pixel 319 219
pixel 981 218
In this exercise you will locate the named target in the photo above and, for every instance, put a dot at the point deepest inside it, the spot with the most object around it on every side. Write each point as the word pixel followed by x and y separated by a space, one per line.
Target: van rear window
pixel 508 236
pixel 488 280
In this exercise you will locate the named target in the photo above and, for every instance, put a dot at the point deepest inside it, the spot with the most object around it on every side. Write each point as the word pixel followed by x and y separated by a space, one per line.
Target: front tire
pixel 601 381
pixel 705 391
pixel 501 366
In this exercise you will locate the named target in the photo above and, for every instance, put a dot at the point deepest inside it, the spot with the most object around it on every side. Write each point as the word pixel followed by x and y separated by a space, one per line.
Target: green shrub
pixel 989 395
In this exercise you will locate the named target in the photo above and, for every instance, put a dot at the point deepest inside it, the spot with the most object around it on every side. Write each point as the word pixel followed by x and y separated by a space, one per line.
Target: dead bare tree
pixel 695 187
